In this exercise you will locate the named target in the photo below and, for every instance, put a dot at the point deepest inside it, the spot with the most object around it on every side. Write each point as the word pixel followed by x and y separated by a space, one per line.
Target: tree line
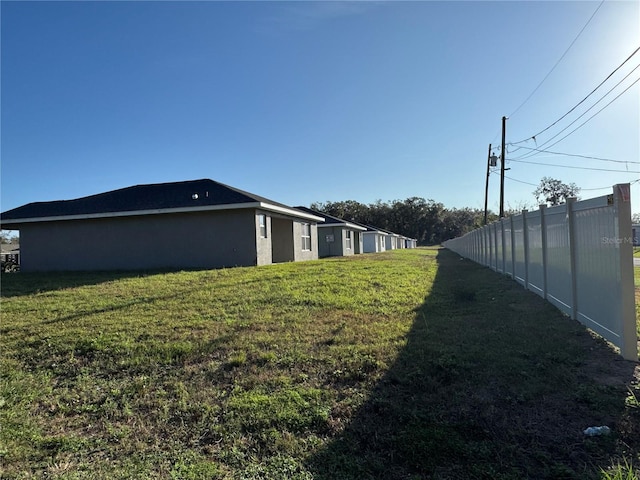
pixel 427 221
pixel 430 222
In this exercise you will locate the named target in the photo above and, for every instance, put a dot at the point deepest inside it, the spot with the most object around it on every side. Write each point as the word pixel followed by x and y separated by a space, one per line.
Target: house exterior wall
pixel 373 242
pixel 300 254
pixel 357 242
pixel 328 248
pixel 264 250
pixel 189 240
pixel 346 251
pixel 338 247
pixel 389 242
pixel 282 240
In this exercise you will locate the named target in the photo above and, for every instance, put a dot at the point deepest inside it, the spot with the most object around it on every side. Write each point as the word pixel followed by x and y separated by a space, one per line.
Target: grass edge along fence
pixel 578 256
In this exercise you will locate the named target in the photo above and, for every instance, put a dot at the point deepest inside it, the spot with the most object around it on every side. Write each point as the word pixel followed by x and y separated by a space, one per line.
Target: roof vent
pixel 194 196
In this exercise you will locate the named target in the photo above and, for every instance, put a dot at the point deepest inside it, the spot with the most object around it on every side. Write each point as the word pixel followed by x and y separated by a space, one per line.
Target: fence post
pixel 572 257
pixel 525 241
pixel 513 249
pixel 543 234
pixel 622 205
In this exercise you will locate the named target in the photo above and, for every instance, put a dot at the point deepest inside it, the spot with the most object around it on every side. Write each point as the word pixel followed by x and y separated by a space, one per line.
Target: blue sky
pixel 315 101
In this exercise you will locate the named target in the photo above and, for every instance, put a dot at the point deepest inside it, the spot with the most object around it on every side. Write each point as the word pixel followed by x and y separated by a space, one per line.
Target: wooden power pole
pixel 486 186
pixel 504 124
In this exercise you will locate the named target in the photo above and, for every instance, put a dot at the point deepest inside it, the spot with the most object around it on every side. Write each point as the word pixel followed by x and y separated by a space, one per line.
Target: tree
pixel 554 192
pixel 8 236
pixel 427 221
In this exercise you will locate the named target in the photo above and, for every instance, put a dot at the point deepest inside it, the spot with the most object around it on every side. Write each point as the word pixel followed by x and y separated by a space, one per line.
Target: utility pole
pixel 504 125
pixel 486 187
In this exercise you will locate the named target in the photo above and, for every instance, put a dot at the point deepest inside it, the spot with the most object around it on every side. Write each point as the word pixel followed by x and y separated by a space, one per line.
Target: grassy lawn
pixel 404 365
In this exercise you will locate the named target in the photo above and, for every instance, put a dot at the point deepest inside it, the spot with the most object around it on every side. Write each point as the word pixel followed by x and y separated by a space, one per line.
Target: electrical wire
pixel 533 137
pixel 559 60
pixel 572 166
pixel 520 181
pixel 586 111
pixel 576 155
pixel 586 121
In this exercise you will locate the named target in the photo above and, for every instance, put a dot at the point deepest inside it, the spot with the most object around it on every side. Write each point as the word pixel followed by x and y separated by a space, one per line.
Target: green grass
pixel 408 364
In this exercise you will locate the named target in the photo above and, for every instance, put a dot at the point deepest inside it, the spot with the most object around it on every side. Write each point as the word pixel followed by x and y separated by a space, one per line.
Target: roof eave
pixel 346 225
pixel 6 224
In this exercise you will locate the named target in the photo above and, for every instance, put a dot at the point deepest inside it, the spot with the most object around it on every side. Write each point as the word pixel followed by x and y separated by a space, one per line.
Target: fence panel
pixel 578 256
pixel 519 267
pixel 536 253
pixel 597 271
pixel 508 258
pixel 558 264
pixel 498 252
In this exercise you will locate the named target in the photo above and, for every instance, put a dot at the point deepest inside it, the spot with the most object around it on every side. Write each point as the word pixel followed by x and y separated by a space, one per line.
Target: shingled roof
pixel 157 198
pixel 330 220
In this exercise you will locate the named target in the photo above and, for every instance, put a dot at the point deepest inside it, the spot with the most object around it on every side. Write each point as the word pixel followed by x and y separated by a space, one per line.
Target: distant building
pixel 337 237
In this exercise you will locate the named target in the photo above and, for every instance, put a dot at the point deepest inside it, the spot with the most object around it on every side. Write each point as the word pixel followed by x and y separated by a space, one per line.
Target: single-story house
pixel 138 227
pixel 411 242
pixel 391 240
pixel 337 237
pixel 373 240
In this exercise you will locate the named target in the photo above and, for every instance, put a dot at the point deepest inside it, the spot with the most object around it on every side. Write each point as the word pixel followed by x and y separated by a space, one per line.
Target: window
pixel 262 221
pixel 348 239
pixel 306 236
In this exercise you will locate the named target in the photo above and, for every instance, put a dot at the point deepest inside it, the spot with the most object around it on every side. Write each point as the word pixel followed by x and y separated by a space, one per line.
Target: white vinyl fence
pixel 578 256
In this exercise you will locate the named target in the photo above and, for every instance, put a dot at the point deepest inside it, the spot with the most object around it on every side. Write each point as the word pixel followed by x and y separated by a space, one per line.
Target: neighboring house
pixel 10 256
pixel 138 227
pixel 392 240
pixel 337 237
pixel 411 243
pixel 373 240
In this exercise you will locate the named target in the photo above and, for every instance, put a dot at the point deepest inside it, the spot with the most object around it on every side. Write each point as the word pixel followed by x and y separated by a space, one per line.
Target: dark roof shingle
pixel 193 193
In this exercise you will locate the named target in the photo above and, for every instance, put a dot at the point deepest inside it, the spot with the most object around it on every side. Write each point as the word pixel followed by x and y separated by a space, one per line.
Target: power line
pixel 527 155
pixel 581 189
pixel 533 137
pixel 573 166
pixel 576 155
pixel 588 119
pixel 520 181
pixel 559 60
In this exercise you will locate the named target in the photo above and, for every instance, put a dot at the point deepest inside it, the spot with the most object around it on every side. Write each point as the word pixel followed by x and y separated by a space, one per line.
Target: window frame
pixel 306 239
pixel 262 227
pixel 349 240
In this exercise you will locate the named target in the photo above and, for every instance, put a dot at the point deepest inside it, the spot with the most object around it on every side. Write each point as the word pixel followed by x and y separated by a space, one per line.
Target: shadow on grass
pixel 493 383
pixel 21 284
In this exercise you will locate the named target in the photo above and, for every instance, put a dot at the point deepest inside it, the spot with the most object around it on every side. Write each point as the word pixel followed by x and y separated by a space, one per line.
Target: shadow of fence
pixel 493 383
